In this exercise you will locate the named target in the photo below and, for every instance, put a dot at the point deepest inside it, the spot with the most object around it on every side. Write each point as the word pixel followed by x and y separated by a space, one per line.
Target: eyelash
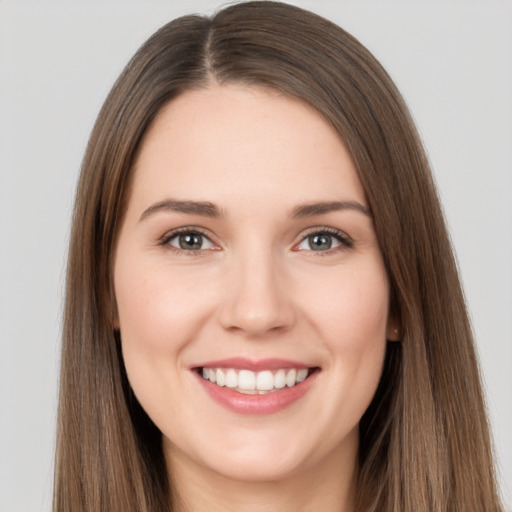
pixel 345 241
pixel 189 230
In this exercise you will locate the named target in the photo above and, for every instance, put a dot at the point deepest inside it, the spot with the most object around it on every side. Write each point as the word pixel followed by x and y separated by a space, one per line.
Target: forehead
pixel 231 141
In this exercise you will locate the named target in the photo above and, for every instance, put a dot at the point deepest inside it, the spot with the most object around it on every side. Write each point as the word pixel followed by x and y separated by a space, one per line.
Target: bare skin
pixel 305 492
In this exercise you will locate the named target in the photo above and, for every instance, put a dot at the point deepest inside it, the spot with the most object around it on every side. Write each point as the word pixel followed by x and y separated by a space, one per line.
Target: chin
pixel 255 468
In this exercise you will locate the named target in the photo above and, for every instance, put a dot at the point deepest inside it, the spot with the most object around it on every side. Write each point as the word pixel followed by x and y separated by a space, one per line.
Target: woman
pixel 263 311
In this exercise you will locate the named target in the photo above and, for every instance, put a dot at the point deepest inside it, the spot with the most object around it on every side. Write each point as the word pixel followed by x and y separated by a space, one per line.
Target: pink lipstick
pixel 256 387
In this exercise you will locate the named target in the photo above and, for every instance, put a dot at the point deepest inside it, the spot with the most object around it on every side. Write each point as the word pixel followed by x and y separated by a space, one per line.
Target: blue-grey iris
pixel 320 242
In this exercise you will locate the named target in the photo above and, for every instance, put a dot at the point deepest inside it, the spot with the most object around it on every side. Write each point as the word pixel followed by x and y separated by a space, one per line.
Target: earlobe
pixel 393 332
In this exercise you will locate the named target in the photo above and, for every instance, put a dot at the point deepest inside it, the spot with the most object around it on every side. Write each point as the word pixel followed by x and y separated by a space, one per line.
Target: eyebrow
pixel 312 209
pixel 204 208
pixel 208 209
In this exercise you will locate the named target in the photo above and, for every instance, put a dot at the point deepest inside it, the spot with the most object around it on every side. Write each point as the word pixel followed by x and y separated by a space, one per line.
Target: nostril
pixel 254 321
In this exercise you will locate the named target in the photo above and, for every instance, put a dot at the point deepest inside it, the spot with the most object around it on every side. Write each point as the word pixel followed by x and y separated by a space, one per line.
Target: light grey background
pixel 452 60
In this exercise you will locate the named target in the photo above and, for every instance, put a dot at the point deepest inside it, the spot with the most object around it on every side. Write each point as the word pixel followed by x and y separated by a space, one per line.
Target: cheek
pixel 161 312
pixel 352 321
pixel 156 319
pixel 148 318
pixel 351 308
pixel 157 309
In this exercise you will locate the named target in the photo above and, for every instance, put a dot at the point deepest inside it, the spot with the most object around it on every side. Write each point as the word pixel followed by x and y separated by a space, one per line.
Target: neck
pixel 328 486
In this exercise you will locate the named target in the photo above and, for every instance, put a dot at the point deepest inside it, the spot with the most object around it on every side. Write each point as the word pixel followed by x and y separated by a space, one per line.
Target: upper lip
pixel 255 365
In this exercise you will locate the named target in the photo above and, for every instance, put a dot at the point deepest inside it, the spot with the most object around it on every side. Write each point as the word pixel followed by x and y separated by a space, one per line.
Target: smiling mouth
pixel 256 383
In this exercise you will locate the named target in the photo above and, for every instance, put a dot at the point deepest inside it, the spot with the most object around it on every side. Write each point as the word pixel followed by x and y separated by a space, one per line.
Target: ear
pixel 394 331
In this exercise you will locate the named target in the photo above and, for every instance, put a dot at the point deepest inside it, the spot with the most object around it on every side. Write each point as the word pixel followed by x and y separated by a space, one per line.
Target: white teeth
pixel 291 378
pixel 280 379
pixel 249 382
pixel 220 378
pixel 302 374
pixel 264 381
pixel 231 379
pixel 246 379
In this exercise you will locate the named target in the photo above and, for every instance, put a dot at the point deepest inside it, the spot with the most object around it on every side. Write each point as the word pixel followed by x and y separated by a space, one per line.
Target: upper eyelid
pixel 325 229
pixel 185 229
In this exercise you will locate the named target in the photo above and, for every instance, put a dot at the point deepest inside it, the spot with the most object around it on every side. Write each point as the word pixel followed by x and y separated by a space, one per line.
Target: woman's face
pixel 252 296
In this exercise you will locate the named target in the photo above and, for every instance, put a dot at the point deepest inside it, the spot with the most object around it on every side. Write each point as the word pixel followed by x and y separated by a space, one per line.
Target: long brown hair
pixel 424 441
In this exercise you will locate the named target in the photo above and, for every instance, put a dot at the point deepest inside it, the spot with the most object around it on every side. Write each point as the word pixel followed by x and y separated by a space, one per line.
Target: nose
pixel 257 300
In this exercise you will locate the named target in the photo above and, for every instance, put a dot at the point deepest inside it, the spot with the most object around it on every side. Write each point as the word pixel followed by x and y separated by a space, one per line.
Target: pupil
pixel 320 242
pixel 190 241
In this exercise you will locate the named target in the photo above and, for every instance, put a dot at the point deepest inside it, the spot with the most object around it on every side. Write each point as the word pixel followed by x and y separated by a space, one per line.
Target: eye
pixel 189 241
pixel 323 241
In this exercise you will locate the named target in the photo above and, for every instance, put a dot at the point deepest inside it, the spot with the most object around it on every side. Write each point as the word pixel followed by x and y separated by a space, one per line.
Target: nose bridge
pixel 256 299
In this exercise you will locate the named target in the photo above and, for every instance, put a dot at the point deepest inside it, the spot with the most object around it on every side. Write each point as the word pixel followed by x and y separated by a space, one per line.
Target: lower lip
pixel 269 403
